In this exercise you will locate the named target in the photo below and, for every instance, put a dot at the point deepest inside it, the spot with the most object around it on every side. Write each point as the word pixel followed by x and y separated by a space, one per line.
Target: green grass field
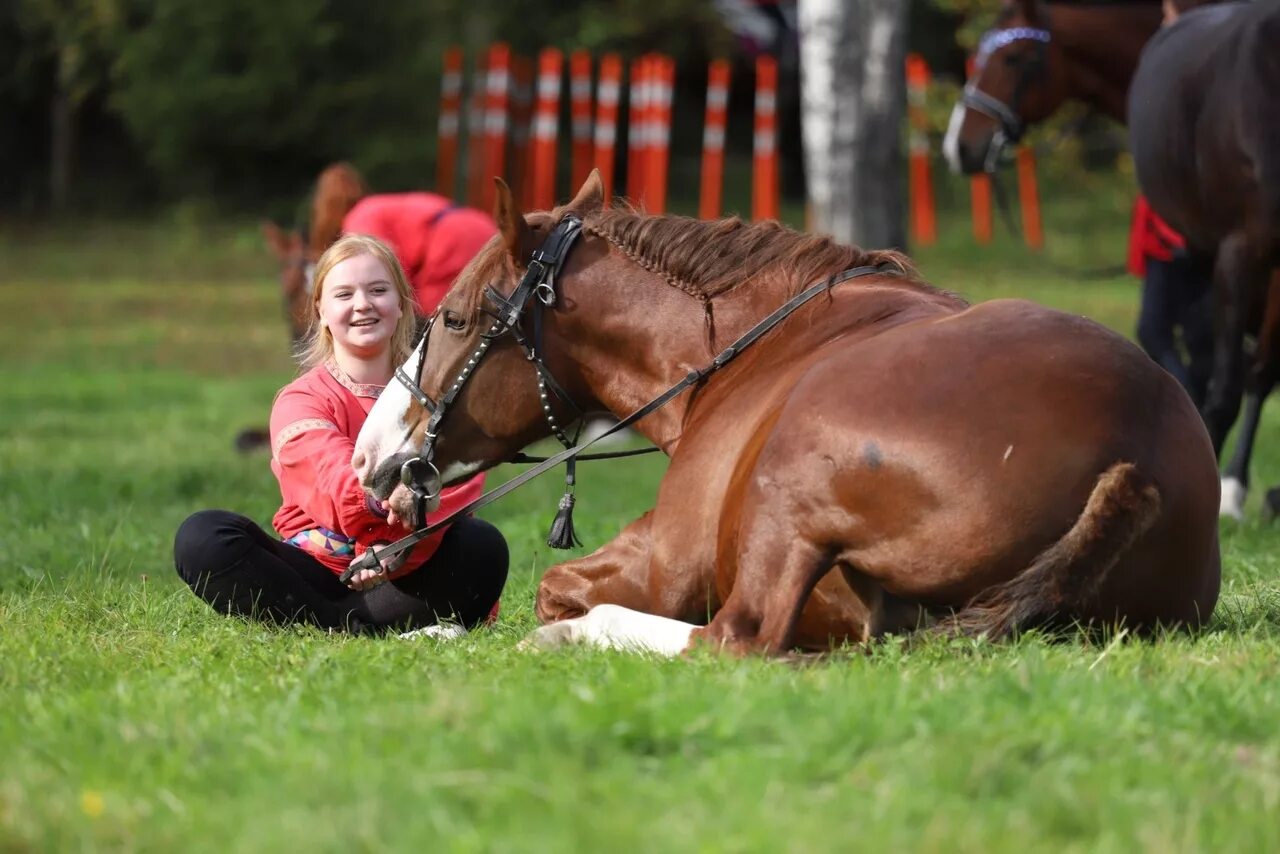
pixel 133 718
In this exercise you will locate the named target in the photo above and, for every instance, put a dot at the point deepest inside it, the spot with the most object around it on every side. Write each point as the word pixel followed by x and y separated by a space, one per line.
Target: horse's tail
pixel 1123 505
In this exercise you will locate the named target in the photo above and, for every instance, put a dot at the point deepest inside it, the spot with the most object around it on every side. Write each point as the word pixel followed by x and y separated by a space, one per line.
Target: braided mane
pixel 706 258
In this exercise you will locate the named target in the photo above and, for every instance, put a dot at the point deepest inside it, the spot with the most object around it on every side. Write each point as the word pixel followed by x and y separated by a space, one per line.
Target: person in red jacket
pixel 1176 312
pixel 432 237
pixel 362 327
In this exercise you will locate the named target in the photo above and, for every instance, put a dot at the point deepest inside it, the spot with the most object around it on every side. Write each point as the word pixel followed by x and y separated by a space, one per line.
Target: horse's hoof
pixel 1232 502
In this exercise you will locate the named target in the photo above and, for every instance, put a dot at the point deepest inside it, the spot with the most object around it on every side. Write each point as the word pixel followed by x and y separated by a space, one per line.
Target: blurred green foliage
pixel 240 100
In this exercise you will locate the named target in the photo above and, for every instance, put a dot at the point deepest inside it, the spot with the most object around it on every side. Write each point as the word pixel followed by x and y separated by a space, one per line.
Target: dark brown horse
pixel 1089 54
pixel 885 455
pixel 1204 128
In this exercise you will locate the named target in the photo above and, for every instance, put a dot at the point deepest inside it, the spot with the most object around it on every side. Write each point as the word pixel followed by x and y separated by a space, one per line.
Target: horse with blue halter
pixel 852 451
pixel 1037 57
pixel 1040 56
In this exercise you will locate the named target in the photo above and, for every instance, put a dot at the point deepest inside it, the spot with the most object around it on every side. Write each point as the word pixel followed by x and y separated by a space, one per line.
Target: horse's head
pixel 296 275
pixel 1018 79
pixel 476 389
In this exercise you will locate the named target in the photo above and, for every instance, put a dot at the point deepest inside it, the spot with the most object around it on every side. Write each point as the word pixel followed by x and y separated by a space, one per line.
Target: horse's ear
pixel 279 241
pixel 1030 10
pixel 511 224
pixel 590 197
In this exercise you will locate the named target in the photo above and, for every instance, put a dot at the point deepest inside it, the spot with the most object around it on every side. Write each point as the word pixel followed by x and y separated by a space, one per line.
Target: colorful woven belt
pixel 323 540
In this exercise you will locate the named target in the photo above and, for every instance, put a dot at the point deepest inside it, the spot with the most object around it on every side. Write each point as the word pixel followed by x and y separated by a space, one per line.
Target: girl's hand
pixel 394 518
pixel 366 579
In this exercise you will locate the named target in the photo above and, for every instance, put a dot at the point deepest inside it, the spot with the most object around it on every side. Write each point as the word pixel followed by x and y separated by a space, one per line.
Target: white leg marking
pixel 1233 495
pixel 951 142
pixel 615 627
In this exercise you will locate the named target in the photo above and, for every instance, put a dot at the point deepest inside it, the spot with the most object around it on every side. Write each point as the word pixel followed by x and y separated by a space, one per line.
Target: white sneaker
pixel 440 631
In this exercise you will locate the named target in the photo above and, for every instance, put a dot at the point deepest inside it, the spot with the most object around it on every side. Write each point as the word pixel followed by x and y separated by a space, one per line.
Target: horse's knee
pixel 559 597
pixel 736 629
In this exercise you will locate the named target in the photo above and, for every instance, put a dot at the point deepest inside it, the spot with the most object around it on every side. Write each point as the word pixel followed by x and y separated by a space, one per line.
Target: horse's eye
pixel 453 320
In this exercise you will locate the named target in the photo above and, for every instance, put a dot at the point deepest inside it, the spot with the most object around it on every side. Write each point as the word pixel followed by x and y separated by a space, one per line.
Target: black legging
pixel 238 568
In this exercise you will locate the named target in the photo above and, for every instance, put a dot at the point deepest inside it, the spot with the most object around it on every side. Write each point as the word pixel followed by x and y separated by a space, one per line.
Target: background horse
pixel 1204 128
pixel 1039 57
pixel 1007 462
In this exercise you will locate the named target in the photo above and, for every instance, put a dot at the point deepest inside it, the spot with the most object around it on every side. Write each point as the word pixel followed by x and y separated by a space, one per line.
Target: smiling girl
pixel 362 327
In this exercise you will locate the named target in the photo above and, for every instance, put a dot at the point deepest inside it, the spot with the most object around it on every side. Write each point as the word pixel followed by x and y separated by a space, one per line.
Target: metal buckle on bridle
pixel 418 472
pixel 545 291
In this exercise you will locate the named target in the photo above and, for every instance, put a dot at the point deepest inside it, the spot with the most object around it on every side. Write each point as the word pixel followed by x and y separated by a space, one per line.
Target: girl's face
pixel 359 306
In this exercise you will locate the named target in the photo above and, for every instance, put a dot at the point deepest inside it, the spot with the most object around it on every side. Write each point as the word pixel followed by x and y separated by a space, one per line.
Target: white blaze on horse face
pixel 387 430
pixel 615 627
pixel 951 142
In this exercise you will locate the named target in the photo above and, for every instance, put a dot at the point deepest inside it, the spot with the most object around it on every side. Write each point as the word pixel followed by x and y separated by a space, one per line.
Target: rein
pixel 373 557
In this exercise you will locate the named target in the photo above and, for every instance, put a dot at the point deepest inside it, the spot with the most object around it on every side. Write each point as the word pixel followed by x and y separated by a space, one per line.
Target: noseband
pixel 1011 126
pixel 537 287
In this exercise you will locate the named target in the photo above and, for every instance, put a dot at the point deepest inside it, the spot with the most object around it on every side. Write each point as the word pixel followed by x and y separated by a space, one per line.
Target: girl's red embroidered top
pixel 314 423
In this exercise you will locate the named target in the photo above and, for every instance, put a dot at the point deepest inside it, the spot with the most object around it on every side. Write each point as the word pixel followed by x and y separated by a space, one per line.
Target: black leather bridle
pixel 537 287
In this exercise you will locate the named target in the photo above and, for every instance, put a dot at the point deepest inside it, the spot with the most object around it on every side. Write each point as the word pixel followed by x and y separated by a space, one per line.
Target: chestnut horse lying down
pixel 884 458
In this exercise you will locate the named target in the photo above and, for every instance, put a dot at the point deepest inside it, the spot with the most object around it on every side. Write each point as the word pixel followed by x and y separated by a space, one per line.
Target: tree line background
pixel 126 105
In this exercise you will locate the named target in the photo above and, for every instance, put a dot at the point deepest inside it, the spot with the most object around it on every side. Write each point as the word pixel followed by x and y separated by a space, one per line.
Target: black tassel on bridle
pixel 561 535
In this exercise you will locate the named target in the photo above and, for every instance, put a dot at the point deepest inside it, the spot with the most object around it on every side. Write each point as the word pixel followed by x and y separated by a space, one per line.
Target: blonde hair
pixel 316 346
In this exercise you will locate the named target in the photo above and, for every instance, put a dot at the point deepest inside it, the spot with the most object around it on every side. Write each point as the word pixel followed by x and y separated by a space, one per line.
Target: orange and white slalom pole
pixel 1029 198
pixel 474 147
pixel 580 113
pixel 546 118
pixel 638 127
pixel 663 91
pixel 979 192
pixel 764 158
pixel 924 224
pixel 606 129
pixel 980 206
pixel 497 95
pixel 447 128
pixel 713 133
pixel 521 119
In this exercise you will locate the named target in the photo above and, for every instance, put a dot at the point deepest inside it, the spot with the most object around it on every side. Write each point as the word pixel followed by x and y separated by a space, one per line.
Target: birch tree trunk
pixel 853 94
